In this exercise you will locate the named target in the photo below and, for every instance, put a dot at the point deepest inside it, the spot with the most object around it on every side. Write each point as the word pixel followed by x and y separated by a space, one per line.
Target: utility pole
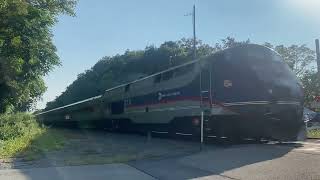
pixel 318 56
pixel 193 14
pixel 201 130
pixel 194 31
pixel 315 104
pixel 194 58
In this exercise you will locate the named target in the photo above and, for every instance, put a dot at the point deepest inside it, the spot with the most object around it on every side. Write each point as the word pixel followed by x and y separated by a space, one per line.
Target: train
pixel 247 91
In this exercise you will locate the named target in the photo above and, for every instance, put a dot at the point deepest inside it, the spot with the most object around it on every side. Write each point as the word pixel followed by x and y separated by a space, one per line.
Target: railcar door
pixel 206 87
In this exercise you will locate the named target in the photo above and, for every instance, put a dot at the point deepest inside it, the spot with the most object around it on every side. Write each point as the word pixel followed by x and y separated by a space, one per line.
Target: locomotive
pixel 247 91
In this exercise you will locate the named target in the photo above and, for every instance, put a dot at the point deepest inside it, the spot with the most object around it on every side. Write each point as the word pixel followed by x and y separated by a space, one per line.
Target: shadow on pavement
pixel 212 161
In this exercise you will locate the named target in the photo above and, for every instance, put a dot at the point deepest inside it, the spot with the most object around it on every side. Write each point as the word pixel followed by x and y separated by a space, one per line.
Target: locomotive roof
pixel 152 75
pixel 72 104
pixel 187 63
pixel 141 79
pixel 116 87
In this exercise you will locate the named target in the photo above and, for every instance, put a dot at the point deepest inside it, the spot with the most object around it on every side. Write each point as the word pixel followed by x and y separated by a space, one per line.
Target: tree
pixel 300 58
pixel 229 42
pixel 311 84
pixel 27 52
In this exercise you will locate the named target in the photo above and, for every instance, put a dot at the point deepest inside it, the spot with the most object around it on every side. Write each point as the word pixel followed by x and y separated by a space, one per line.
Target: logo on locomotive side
pixel 227 83
pixel 67 116
pixel 161 96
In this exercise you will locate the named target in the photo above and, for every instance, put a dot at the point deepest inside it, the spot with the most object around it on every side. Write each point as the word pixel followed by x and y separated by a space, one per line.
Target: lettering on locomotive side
pixel 161 95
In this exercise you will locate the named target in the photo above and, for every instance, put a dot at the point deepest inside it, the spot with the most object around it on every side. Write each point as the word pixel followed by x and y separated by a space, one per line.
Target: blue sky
pixel 109 27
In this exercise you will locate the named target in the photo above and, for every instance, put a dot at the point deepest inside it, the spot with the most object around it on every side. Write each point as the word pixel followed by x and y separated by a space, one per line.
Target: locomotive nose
pixel 263 91
pixel 284 112
pixel 285 97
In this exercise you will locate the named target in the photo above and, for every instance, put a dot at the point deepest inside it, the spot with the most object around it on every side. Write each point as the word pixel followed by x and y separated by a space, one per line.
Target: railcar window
pixel 117 107
pixel 90 109
pixel 84 109
pixel 157 78
pixel 167 75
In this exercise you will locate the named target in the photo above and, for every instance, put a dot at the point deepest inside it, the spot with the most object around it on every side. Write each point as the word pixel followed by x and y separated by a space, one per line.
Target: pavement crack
pixel 141 170
pixel 225 176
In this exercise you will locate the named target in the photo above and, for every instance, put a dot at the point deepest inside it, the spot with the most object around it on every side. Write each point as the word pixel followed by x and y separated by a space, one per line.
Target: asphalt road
pixel 263 161
pixel 93 172
pixel 290 161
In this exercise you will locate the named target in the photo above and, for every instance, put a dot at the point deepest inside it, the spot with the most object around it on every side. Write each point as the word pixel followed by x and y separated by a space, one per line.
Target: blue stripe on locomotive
pixel 190 90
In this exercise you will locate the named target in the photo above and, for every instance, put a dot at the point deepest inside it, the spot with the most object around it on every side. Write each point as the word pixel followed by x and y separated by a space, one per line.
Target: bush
pixel 17 132
pixel 21 135
pixel 16 125
pixel 315 133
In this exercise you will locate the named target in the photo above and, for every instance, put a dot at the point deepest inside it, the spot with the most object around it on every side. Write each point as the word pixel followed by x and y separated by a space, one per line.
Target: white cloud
pixel 310 9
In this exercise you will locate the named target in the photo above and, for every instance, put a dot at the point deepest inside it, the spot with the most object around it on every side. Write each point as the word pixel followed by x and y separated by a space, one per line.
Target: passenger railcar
pixel 246 91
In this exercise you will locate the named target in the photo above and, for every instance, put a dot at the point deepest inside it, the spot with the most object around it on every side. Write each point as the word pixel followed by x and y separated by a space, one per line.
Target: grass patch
pixel 21 136
pixel 48 140
pixel 106 159
pixel 315 133
pixel 100 159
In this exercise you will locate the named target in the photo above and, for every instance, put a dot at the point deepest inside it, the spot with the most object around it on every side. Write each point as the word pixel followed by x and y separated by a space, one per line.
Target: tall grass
pixel 21 135
pixel 16 125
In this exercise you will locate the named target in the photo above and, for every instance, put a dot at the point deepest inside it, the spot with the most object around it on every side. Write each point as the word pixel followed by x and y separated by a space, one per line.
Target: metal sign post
pixel 201 136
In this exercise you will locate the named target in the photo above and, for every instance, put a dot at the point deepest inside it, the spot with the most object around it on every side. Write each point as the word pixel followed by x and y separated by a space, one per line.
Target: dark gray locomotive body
pixel 245 92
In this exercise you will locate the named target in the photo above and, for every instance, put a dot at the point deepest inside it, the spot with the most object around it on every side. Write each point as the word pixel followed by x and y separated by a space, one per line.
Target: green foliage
pixel 26 49
pixel 311 84
pixel 299 58
pixel 20 135
pixel 48 141
pixel 17 132
pixel 15 125
pixel 315 133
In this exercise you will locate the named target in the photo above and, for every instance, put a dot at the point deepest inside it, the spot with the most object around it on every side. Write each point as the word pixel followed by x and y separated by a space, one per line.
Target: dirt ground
pixel 101 147
pixel 154 158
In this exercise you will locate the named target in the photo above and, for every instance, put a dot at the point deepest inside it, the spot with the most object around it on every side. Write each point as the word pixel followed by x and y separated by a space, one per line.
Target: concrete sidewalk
pixel 293 161
pixel 93 172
